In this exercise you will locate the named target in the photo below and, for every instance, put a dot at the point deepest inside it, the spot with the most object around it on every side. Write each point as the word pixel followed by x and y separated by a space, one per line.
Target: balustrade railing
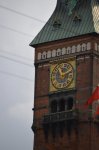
pixel 60 116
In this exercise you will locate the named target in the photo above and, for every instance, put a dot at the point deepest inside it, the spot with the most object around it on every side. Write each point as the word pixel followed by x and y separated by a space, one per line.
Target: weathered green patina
pixel 81 18
pixel 72 4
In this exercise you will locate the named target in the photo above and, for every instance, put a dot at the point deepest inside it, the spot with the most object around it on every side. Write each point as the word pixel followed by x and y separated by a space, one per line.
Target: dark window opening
pixel 62 105
pixel 54 106
pixel 70 103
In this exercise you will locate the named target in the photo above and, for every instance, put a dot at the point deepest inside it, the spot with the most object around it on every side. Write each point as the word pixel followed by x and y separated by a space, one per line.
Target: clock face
pixel 62 75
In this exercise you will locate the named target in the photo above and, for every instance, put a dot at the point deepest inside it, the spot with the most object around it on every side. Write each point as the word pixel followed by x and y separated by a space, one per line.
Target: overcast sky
pixel 20 21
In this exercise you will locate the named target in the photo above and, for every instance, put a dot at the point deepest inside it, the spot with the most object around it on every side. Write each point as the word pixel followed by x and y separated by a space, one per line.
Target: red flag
pixel 94 97
pixel 97 111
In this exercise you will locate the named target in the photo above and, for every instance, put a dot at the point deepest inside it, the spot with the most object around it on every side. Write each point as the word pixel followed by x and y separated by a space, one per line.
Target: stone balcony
pixel 60 116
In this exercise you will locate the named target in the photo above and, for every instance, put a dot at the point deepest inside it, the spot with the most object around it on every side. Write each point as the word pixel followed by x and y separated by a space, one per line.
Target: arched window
pixel 88 46
pixel 69 103
pixel 54 53
pixel 44 55
pixel 83 47
pixel 78 48
pixel 62 105
pixel 58 52
pixel 73 49
pixel 68 51
pixel 96 46
pixel 39 56
pixel 63 51
pixel 49 54
pixel 53 106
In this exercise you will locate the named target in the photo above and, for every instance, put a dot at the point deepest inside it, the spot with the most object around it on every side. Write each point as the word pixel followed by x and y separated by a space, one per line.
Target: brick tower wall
pixel 84 135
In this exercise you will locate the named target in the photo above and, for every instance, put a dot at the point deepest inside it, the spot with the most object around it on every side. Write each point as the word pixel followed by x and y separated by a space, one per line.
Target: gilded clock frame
pixel 54 70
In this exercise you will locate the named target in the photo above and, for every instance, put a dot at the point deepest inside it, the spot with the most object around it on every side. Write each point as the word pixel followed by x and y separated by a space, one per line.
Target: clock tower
pixel 66 73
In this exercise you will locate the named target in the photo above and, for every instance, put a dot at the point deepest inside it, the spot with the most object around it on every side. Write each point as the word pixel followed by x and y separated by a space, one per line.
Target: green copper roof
pixel 71 18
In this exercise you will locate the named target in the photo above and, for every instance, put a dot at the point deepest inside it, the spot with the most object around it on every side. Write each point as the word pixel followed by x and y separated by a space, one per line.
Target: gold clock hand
pixel 69 71
pixel 64 74
pixel 60 71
